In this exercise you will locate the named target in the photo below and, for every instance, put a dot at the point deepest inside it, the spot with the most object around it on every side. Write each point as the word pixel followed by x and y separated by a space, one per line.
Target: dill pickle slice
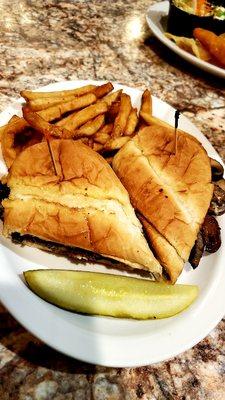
pixel 111 295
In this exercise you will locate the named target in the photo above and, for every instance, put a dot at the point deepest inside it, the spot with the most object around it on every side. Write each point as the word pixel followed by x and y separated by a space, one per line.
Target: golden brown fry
pixel 214 44
pixel 117 143
pixel 91 127
pixel 56 112
pixel 12 121
pixel 77 103
pixel 85 115
pixel 131 122
pixel 84 140
pixel 62 122
pixel 122 117
pixel 46 102
pixel 90 142
pixel 14 126
pixel 97 146
pixel 15 141
pixel 107 128
pixel 102 137
pixel 42 126
pixel 110 98
pixel 103 134
pixel 50 114
pixel 146 102
pixel 113 111
pixel 102 90
pixel 192 46
pixel 29 95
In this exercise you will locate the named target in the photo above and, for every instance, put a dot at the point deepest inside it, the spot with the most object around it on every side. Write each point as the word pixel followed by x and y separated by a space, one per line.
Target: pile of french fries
pixel 98 116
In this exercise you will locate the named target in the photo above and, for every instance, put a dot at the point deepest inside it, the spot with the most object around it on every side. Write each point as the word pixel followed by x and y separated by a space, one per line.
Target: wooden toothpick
pixel 48 140
pixel 52 156
pixel 176 116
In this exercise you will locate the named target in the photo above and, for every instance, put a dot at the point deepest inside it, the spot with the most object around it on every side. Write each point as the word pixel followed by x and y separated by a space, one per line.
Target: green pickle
pixel 110 295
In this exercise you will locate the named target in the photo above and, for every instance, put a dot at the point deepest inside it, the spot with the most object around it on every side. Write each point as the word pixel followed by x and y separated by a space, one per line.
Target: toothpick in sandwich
pixel 176 116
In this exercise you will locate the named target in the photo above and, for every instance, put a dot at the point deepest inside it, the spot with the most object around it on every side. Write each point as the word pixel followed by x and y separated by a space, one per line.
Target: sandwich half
pixel 171 192
pixel 84 211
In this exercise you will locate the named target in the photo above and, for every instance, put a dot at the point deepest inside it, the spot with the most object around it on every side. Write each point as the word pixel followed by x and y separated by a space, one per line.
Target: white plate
pixel 108 341
pixel 154 17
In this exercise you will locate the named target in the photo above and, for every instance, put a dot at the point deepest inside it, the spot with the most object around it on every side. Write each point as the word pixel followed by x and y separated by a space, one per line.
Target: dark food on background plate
pixel 214 44
pixel 198 27
pixel 205 45
pixel 186 15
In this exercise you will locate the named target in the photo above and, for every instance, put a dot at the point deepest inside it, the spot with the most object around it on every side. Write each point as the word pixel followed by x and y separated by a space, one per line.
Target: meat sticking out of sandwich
pixel 85 207
pixel 171 192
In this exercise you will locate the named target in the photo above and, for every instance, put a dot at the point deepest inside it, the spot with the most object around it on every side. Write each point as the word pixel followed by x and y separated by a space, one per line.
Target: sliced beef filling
pixel 75 254
pixel 4 193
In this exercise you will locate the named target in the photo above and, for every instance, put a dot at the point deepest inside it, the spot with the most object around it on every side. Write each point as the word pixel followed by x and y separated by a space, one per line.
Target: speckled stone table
pixel 52 40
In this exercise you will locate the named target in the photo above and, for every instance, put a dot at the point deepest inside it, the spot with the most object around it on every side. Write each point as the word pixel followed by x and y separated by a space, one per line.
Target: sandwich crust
pixel 84 206
pixel 172 192
pixel 164 252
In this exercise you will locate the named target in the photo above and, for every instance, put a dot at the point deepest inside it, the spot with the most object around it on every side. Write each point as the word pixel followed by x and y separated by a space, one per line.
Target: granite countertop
pixel 53 40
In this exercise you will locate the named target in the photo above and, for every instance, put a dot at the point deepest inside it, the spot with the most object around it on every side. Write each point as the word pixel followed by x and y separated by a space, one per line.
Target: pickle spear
pixel 112 295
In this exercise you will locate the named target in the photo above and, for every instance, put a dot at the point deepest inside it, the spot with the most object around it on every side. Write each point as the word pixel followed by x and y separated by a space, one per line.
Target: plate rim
pixel 204 65
pixel 103 340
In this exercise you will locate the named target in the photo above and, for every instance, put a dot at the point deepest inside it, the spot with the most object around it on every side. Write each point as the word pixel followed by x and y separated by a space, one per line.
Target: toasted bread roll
pixel 85 206
pixel 172 192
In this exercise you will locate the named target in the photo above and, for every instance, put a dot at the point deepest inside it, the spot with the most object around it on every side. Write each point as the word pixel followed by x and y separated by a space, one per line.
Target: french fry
pixel 97 146
pixel 116 144
pixel 91 127
pixel 42 126
pixel 146 102
pixel 131 122
pixel 77 103
pixel 84 140
pixel 102 90
pixel 12 121
pixel 51 113
pixel 62 122
pixel 46 102
pixel 122 117
pixel 113 111
pixel 30 95
pixel 85 115
pixel 101 137
pixel 14 126
pixel 106 129
pixel 15 141
pixel 112 97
